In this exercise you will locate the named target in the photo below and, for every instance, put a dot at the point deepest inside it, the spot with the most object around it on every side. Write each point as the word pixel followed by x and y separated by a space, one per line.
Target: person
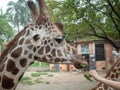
pixel 97 77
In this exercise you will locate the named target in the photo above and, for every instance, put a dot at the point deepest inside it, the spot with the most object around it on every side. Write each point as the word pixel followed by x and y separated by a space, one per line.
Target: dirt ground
pixel 60 81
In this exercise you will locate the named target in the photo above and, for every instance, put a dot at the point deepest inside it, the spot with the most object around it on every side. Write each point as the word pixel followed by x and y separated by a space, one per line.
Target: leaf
pixel 87 77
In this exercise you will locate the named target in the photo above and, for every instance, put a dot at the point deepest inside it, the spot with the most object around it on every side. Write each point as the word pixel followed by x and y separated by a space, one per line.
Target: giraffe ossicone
pixel 41 40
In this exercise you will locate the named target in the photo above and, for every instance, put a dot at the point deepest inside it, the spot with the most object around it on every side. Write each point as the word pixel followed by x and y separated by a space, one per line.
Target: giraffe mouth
pixel 80 62
pixel 80 65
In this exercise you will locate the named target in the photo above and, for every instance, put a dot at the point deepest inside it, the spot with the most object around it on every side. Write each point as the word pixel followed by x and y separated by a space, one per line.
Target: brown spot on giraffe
pixel 41 51
pixel 23 62
pixel 40 27
pixel 21 41
pixel 57 60
pixel 44 59
pixel 7 83
pixel 59 53
pixel 51 44
pixel 30 55
pixel 47 48
pixel 11 67
pixel 2 67
pixel 27 41
pixel 49 56
pixel 62 60
pixel 36 58
pixel 0 79
pixel 17 52
pixel 34 49
pixel 25 52
pixel 30 47
pixel 54 52
pixel 112 76
pixel 105 86
pixel 45 42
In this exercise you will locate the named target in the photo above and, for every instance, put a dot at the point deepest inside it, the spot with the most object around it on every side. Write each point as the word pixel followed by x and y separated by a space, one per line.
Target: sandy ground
pixel 60 81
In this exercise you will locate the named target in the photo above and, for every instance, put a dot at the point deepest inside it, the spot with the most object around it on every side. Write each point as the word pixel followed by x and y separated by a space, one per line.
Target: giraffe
pixel 40 40
pixel 113 74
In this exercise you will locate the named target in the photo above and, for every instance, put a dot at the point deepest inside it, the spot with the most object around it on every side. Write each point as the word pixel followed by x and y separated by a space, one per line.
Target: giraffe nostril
pixel 36 37
pixel 59 39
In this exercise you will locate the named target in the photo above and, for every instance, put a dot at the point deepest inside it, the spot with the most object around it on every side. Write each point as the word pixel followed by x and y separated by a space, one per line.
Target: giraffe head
pixel 47 38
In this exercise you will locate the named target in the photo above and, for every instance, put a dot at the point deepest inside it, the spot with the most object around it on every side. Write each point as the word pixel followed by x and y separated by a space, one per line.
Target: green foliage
pixel 37 74
pixel 41 64
pixel 35 64
pixel 76 16
pixel 38 81
pixel 88 77
pixel 18 13
pixel 6 32
pixel 50 75
pixel 26 80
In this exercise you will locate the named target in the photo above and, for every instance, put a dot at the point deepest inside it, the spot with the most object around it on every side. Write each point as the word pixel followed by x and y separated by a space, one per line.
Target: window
pixel 84 48
pixel 99 52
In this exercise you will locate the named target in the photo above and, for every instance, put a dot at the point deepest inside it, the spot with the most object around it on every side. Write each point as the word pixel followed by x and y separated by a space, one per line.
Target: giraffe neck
pixel 11 73
pixel 14 61
pixel 113 74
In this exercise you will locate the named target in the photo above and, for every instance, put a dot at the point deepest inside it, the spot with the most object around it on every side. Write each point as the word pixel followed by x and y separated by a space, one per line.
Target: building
pixel 97 53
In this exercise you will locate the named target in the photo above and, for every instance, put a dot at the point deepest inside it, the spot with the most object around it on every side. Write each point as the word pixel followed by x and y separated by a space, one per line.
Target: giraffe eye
pixel 59 39
pixel 36 37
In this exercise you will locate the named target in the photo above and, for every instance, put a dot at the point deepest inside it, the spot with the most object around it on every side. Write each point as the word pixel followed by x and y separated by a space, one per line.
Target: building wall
pixel 91 48
pixel 63 67
pixel 109 59
pixel 108 55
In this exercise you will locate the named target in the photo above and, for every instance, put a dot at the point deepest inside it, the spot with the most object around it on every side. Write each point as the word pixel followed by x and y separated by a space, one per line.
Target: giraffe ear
pixel 33 9
pixel 60 26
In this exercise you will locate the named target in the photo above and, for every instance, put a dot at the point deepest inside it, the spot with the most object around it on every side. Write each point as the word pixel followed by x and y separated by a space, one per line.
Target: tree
pixel 18 13
pixel 86 18
pixel 6 32
pixel 108 26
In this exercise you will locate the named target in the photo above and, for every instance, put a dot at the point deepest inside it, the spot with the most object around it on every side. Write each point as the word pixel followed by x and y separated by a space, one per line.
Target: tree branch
pixel 102 31
pixel 96 8
pixel 113 9
pixel 115 24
